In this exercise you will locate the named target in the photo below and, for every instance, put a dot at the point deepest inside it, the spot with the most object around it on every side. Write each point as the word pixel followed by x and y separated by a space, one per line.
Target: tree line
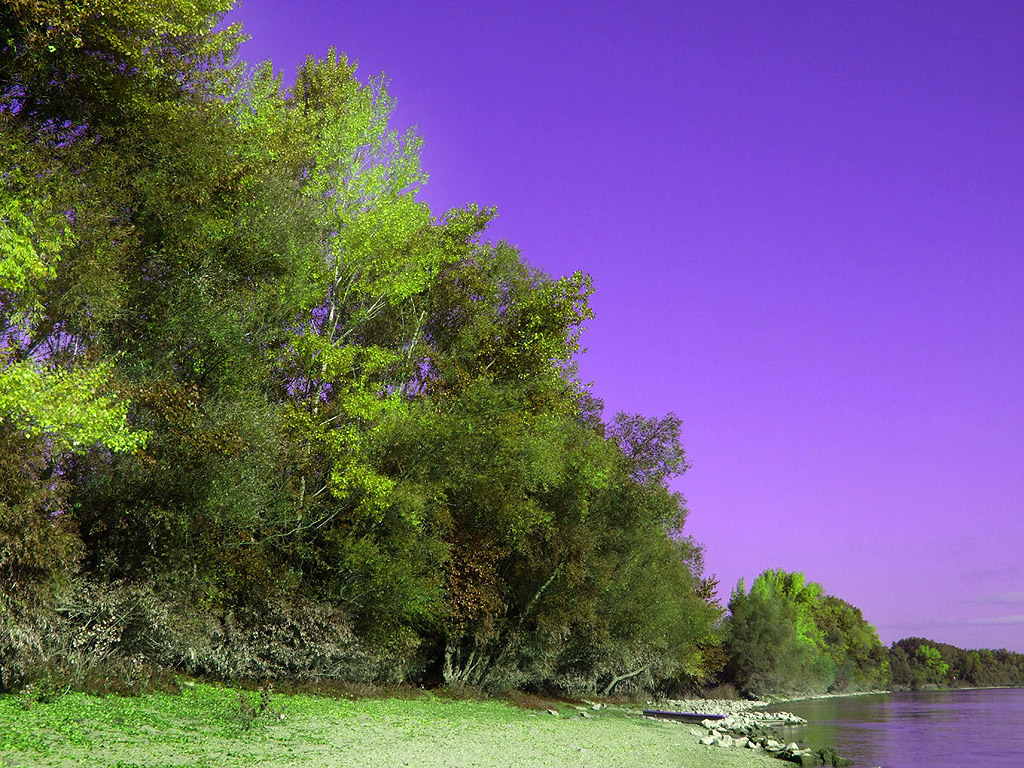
pixel 265 415
pixel 786 635
pixel 916 662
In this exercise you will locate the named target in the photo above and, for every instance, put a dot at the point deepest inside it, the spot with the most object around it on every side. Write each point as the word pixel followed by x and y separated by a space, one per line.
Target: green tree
pixel 44 392
pixel 860 659
pixel 763 645
pixel 931 659
pixel 241 361
pixel 787 635
pixel 170 284
pixel 653 615
pixel 351 354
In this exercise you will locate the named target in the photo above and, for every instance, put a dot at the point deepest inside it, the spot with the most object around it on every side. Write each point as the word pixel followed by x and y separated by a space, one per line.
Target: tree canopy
pixel 263 405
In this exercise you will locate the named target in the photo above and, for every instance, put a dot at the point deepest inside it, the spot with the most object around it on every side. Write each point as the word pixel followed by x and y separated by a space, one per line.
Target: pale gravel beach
pixel 429 732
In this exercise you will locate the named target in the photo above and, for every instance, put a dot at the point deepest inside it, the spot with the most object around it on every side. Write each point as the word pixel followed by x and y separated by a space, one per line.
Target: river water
pixel 924 729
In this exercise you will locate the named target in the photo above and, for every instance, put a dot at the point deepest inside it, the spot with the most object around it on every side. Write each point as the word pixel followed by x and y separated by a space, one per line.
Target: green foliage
pixel 39 547
pixel 652 616
pixel 31 236
pixel 765 653
pixel 494 316
pixel 931 658
pixel 246 371
pixel 794 590
pixel 82 60
pixel 788 636
pixel 67 407
pixel 45 399
pixel 860 660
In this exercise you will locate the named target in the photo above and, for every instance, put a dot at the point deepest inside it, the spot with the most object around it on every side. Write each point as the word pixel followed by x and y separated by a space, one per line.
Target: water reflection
pixel 937 729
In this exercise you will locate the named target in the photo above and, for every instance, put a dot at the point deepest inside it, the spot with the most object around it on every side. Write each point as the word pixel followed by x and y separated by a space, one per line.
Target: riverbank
pixel 208 726
pixel 747 725
pixel 738 706
pixel 938 729
pixel 820 696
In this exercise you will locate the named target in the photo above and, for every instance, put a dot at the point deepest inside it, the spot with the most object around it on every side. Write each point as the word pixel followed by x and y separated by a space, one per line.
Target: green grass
pixel 204 727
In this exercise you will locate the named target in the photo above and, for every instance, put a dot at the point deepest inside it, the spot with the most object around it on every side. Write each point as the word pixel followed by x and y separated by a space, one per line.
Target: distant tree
pixel 922 662
pixel 931 658
pixel 763 645
pixel 860 659
pixel 787 635
pixel 901 673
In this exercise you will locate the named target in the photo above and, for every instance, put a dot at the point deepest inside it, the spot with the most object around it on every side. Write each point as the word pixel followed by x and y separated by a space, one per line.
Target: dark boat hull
pixel 681 717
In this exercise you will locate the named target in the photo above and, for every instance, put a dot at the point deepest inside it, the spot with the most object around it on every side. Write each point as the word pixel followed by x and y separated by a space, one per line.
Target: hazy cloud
pixel 981 576
pixel 1018 619
pixel 936 623
pixel 1008 598
pixel 998 598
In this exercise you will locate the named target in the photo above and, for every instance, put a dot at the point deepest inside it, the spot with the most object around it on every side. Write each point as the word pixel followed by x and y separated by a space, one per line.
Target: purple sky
pixel 805 225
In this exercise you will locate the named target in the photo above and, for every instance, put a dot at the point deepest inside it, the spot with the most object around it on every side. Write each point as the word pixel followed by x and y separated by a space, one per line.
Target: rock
pixel 725 741
pixel 741 742
pixel 830 756
pixel 707 740
pixel 553 712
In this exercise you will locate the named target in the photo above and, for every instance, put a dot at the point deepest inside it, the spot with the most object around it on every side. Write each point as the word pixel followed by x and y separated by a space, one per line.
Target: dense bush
pixel 105 637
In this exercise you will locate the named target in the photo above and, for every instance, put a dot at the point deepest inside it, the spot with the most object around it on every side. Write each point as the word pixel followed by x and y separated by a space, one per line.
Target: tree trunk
pixel 460 668
pixel 616 680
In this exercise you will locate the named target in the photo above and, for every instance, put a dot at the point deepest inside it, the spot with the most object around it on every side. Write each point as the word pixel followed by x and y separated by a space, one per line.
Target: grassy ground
pixel 206 726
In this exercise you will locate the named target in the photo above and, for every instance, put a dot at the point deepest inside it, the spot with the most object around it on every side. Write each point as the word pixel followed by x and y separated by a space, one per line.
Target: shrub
pixel 127 638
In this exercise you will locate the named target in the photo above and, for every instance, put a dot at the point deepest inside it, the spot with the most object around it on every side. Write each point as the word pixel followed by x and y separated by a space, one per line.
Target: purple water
pixel 929 729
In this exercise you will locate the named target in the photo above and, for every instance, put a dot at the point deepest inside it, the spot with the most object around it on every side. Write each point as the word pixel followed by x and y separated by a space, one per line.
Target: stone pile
pixel 752 730
pixel 711 706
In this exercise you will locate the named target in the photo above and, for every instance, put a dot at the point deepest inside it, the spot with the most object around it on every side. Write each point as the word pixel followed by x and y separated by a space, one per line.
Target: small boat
pixel 681 717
